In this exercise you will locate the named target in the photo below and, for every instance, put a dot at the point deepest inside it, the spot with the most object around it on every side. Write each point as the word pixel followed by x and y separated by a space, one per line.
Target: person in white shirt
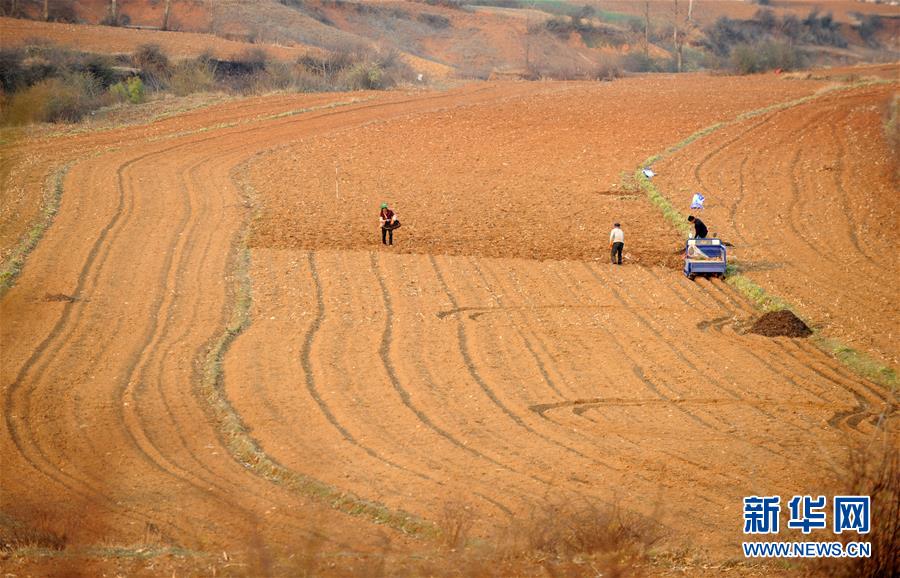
pixel 616 244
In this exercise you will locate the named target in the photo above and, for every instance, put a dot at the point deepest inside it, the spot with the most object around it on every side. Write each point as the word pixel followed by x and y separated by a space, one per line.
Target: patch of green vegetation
pixel 858 362
pixel 52 196
pixel 126 552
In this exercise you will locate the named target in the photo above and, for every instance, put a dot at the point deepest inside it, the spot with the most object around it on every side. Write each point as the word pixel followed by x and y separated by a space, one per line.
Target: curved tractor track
pixel 442 370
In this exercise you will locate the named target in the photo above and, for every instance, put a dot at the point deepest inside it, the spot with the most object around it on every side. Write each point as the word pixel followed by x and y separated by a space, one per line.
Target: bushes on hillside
pixel 868 27
pixel 765 27
pixel 190 76
pixel 436 21
pixel 60 99
pixel 751 59
pixel 153 64
pixel 130 90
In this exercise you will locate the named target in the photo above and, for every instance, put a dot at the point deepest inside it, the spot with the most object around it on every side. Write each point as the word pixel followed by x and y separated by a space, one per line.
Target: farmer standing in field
pixel 616 244
pixel 389 222
pixel 700 230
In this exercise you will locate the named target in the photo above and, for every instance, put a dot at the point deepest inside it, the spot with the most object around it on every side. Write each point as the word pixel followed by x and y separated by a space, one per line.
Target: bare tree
pixel 647 27
pixel 675 38
pixel 46 10
pixel 165 24
pixel 113 12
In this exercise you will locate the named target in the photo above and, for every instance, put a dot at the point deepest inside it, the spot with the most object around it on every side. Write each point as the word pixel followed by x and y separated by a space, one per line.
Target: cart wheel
pixel 691 276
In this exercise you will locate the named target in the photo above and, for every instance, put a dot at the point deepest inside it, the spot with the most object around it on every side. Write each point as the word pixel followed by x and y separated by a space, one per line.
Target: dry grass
pixel 871 469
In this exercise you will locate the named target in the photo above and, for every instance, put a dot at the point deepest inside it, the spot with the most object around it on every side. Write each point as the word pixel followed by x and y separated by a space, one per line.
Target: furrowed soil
pixel 808 195
pixel 491 358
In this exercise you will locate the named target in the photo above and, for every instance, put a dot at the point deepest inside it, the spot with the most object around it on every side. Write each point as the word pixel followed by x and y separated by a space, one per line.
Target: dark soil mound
pixel 781 324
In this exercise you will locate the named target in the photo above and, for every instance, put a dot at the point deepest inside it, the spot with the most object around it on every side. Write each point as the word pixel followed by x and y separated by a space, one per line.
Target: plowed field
pixel 808 195
pixel 209 348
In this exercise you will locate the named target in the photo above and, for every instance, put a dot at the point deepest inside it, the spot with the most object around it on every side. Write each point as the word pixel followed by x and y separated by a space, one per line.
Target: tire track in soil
pixel 385 355
pixel 638 372
pixel 137 438
pixel 486 389
pixel 708 378
pixel 838 174
pixel 786 373
pixel 636 368
pixel 534 355
pixel 711 378
pixel 729 312
pixel 542 368
pixel 857 414
pixel 340 258
pixel 45 344
pixel 201 477
pixel 667 456
pixel 82 278
pixel 312 389
pixel 432 385
pixel 366 447
pixel 541 409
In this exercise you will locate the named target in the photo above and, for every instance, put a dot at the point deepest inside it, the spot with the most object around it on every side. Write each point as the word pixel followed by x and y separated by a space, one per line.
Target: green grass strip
pixel 120 552
pixel 246 450
pixel 856 361
pixel 12 266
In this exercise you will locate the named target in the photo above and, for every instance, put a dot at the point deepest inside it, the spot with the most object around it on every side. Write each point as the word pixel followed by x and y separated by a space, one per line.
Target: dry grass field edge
pixel 242 446
pixel 52 196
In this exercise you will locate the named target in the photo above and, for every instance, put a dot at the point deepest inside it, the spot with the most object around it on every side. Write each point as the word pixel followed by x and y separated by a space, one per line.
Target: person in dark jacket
pixel 700 230
pixel 389 222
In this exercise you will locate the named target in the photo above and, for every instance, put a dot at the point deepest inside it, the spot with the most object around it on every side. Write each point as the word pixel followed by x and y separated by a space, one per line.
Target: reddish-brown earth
pixel 490 358
pixel 808 195
pixel 106 39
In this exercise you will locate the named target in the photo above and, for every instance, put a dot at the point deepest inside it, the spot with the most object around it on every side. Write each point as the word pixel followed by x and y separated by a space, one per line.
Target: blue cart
pixel 704 257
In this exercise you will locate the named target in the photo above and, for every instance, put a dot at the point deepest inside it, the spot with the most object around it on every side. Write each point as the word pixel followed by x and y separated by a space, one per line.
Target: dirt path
pixel 808 197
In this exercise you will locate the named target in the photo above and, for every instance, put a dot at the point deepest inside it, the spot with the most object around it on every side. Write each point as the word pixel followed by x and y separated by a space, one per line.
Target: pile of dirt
pixel 781 324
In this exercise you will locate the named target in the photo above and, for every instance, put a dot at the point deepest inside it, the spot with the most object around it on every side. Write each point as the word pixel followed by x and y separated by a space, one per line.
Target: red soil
pixel 808 196
pixel 107 39
pixel 474 369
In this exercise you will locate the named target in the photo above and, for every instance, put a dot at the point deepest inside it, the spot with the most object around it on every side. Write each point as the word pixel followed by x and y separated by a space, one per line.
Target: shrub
pixel 153 63
pixel 12 70
pixel 365 76
pixel 193 76
pixel 869 25
pixel 60 99
pixel 640 62
pixel 130 90
pixel 252 59
pixel 609 68
pixel 871 470
pixel 751 59
pixel 329 63
pixel 62 11
pixel 823 30
pixel 436 21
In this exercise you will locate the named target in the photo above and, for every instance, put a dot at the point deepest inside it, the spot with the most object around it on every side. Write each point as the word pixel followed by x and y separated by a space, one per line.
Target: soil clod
pixel 781 324
pixel 60 297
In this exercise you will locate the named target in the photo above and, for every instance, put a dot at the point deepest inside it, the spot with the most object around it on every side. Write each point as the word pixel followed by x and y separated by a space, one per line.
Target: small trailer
pixel 704 257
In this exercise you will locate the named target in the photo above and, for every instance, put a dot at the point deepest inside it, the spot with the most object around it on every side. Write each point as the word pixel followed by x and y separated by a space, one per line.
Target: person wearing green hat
pixel 389 222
